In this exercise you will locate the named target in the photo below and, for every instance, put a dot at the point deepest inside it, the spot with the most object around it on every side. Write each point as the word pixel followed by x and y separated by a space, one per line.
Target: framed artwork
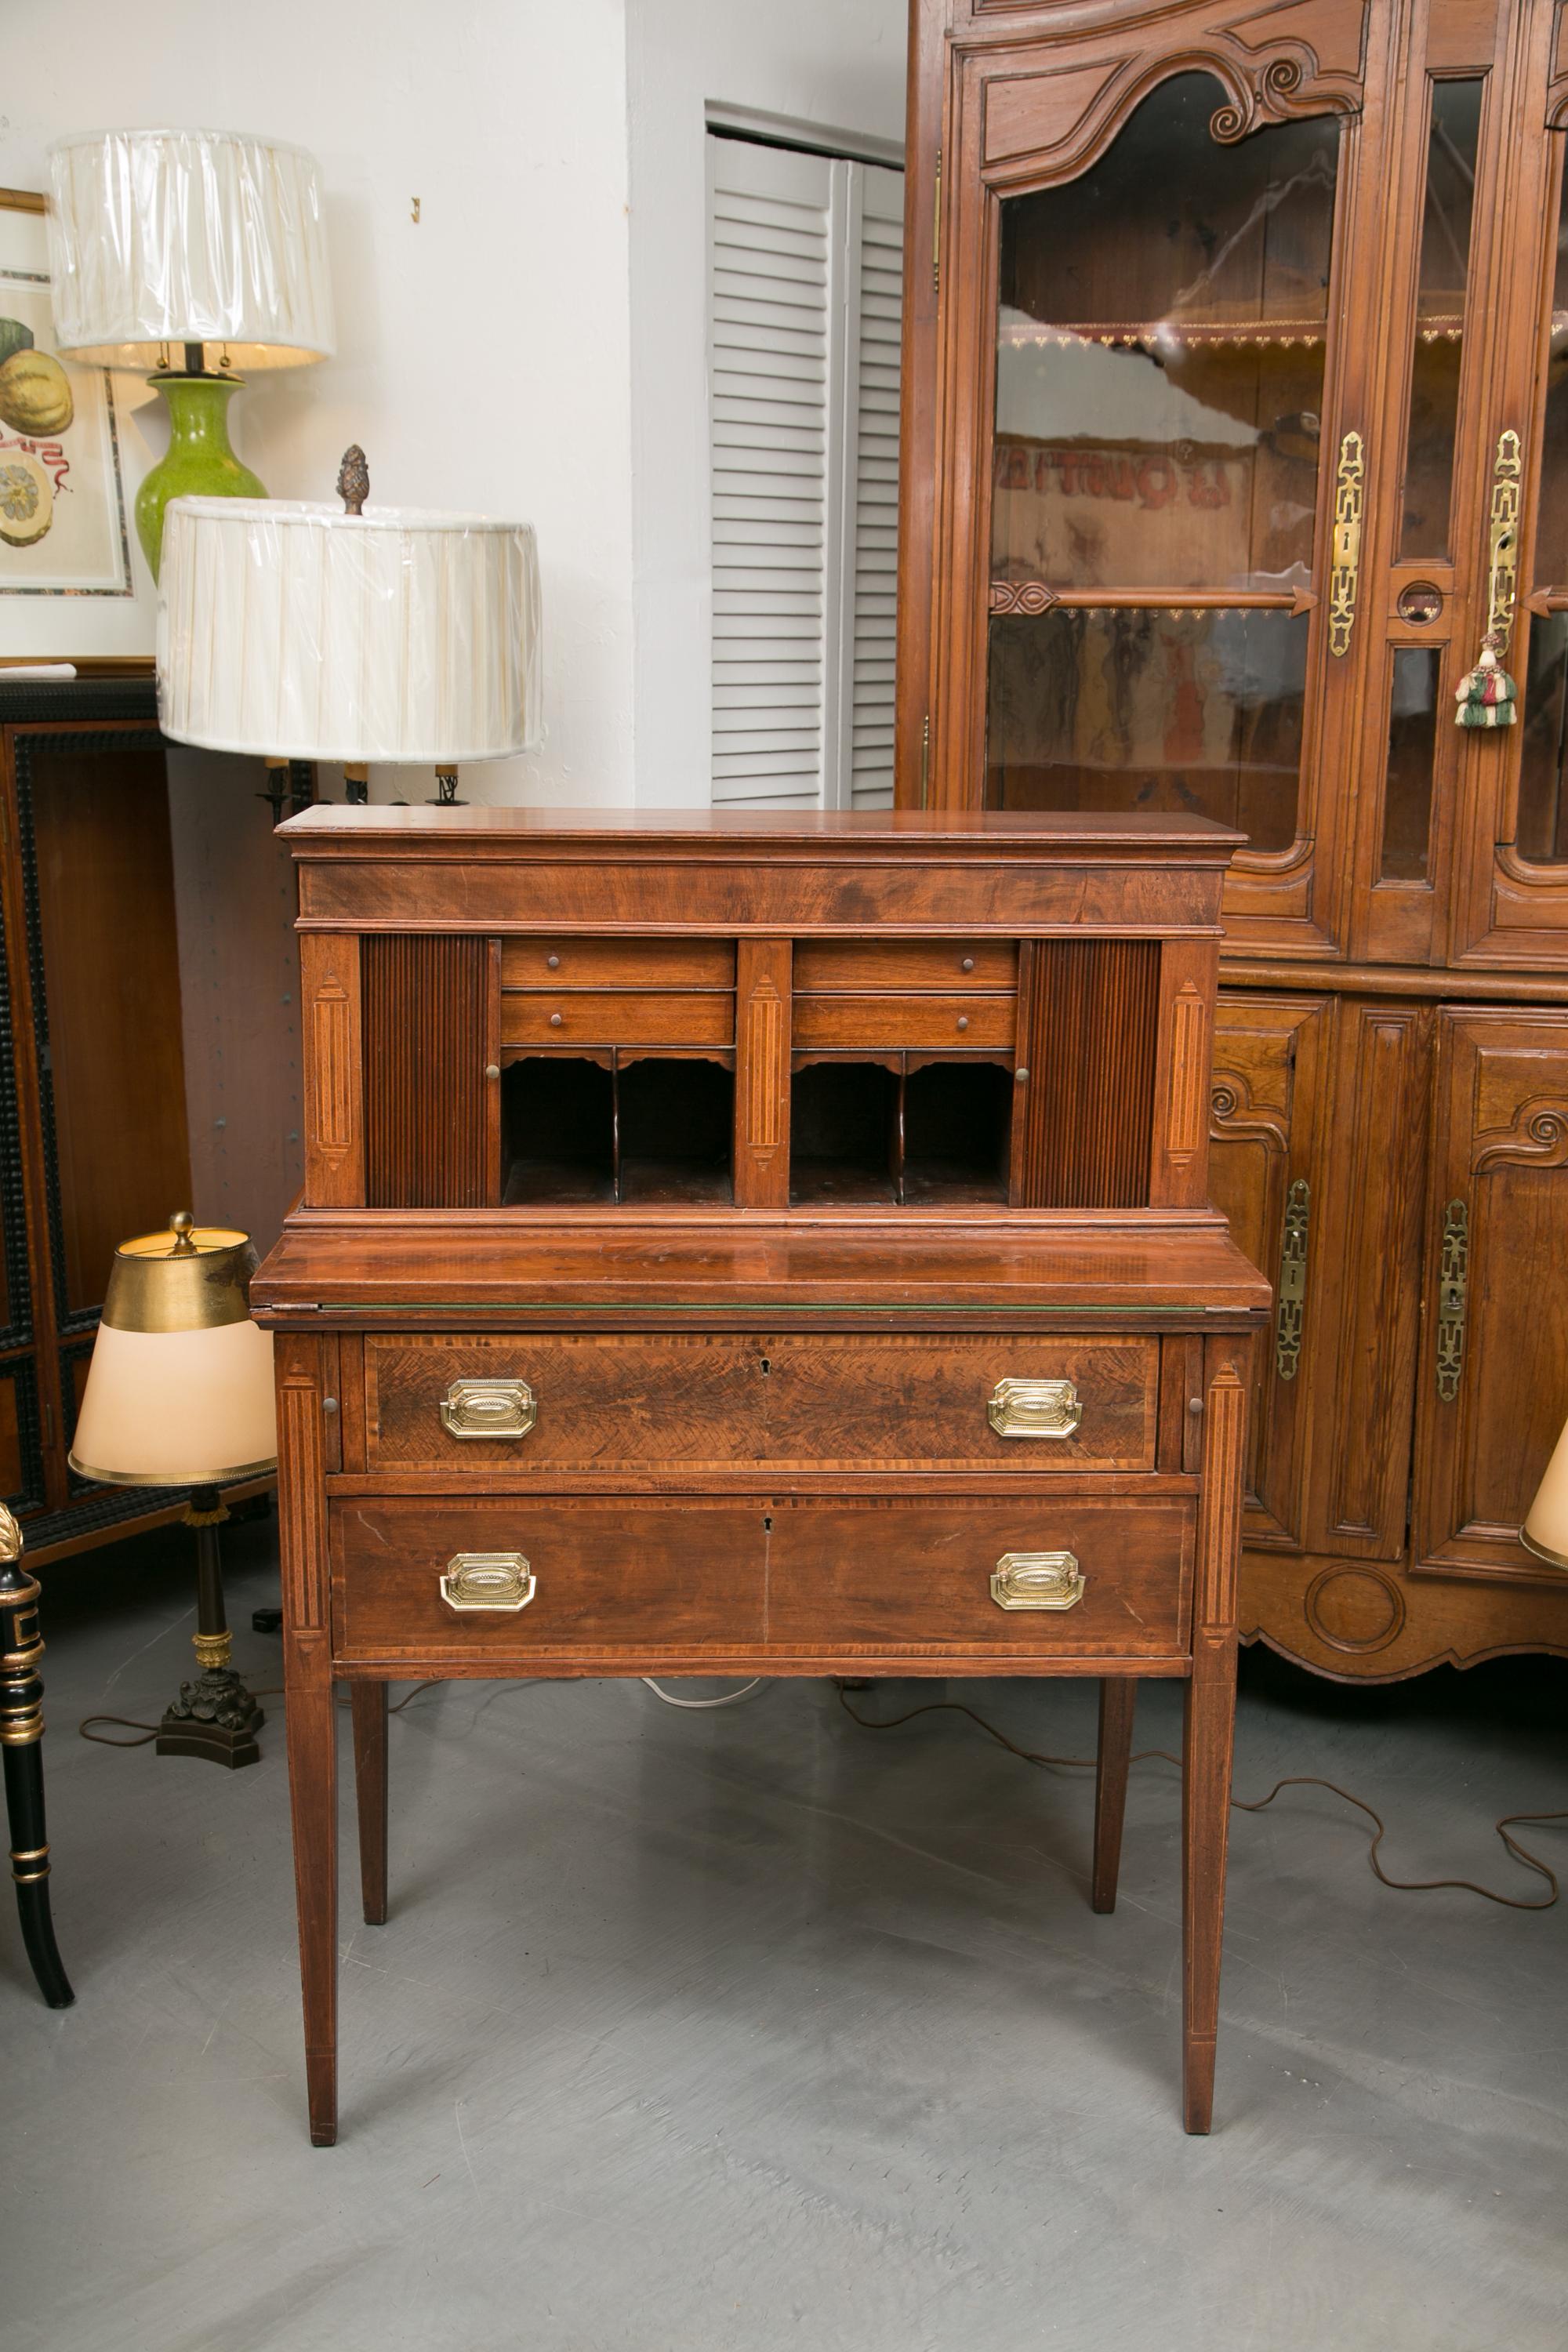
pixel 69 582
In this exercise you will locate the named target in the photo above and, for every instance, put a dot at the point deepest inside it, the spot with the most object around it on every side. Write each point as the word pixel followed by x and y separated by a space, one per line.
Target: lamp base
pixel 214 1717
pixel 199 462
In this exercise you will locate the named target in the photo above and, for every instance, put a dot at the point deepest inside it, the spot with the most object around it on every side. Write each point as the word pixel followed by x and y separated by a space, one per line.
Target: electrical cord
pixel 150 1730
pixel 701 1705
pixel 1256 1804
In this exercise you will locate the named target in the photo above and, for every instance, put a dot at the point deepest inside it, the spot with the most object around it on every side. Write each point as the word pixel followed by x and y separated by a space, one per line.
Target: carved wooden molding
pixel 302 1532
pixel 1267 73
pixel 1234 1114
pixel 1539 1133
pixel 765 1055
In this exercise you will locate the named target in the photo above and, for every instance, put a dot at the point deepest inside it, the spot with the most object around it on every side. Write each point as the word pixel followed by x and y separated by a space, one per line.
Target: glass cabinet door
pixel 1164 478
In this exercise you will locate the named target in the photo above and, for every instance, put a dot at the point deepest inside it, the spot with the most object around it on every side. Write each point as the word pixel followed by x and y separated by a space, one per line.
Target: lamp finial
pixel 353 479
pixel 180 1225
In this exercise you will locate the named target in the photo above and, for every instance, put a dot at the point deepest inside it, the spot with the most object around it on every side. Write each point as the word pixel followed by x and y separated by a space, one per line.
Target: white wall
pixel 483 355
pixel 836 63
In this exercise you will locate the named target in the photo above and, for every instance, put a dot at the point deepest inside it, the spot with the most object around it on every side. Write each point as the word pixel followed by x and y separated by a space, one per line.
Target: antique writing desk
pixel 762 1244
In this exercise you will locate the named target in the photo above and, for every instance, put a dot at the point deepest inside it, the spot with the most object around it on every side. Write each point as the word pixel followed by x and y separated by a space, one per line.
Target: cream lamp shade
pixel 301 631
pixel 179 1392
pixel 1545 1530
pixel 166 237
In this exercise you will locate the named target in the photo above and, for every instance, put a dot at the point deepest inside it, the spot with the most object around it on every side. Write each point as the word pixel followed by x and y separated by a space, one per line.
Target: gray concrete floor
pixel 753 2029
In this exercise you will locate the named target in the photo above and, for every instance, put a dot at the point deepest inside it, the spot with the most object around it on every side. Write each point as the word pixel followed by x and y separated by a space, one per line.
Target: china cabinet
pixel 1235 415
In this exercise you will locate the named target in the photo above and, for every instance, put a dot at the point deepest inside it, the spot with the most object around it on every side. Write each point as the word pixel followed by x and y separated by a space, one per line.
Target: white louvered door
pixel 804 286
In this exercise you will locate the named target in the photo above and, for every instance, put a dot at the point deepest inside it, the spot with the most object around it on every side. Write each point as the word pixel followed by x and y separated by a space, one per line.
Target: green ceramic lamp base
pixel 199 462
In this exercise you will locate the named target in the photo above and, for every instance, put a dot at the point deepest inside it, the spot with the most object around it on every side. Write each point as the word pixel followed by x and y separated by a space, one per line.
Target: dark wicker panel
pixel 426 1098
pixel 1087 1025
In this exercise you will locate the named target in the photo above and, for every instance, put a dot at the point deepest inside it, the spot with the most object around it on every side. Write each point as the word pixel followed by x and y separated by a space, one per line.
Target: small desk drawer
pixel 956 1021
pixel 597 1574
pixel 607 1017
pixel 571 962
pixel 1114 1575
pixel 567 1401
pixel 906 967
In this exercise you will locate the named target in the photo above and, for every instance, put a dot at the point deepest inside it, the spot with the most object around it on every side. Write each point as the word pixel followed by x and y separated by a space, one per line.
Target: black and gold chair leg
pixel 21 1730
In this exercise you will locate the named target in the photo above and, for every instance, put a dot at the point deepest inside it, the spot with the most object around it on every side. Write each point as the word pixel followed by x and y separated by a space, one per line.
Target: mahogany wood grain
pixel 1113 1757
pixel 605 1017
pixel 902 967
pixel 331 1002
pixel 906 1020
pixel 367 1703
pixel 586 960
pixel 773 1399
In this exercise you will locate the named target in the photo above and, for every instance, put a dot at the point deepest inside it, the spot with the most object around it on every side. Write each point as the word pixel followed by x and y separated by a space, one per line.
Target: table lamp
pixel 299 632
pixel 169 249
pixel 1545 1529
pixel 179 1394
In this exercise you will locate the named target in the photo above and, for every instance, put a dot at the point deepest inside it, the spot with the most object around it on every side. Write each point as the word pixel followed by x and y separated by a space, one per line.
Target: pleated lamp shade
pixel 299 632
pixel 1545 1529
pixel 159 239
pixel 179 1391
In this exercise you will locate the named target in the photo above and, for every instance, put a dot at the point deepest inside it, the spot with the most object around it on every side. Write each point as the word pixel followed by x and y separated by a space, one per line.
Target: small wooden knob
pixel 555 1020
pixel 963 1020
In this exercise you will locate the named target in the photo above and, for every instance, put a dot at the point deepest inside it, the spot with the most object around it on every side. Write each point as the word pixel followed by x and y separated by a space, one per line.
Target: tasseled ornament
pixel 1487 696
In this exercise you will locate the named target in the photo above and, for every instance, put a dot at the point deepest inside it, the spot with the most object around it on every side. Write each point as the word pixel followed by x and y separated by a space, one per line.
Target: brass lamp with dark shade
pixel 179 1394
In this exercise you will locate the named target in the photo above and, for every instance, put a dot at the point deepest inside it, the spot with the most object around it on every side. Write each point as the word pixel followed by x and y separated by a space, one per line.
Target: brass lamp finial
pixel 353 479
pixel 181 1224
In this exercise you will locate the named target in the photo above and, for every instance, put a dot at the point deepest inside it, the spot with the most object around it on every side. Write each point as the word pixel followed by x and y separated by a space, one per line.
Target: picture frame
pixel 73 584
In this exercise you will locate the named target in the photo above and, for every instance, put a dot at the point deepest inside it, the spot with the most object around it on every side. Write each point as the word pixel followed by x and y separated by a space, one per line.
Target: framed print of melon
pixel 62 490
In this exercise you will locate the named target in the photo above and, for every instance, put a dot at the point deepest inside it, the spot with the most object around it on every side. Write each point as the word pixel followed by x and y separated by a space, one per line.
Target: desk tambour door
pixel 572 1401
pixel 511 1576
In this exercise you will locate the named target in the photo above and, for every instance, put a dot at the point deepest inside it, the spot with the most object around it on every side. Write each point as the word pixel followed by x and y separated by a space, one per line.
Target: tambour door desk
pixel 757 1243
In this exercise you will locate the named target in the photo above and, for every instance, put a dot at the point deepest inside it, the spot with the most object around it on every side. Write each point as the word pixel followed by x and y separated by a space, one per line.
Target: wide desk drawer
pixel 513 1577
pixel 828 1022
pixel 607 1016
pixel 571 1401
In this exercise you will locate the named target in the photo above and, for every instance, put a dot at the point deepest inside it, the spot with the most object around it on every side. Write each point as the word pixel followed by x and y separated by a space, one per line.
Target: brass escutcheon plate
pixel 1025 1408
pixel 488 1408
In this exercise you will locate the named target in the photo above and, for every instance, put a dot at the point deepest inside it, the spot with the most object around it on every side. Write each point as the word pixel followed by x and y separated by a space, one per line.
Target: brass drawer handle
pixel 488 1580
pixel 1034 1408
pixel 1037 1580
pixel 488 1408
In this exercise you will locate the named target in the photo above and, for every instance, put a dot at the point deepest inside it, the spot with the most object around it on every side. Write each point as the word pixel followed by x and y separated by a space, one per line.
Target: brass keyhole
pixel 764 1364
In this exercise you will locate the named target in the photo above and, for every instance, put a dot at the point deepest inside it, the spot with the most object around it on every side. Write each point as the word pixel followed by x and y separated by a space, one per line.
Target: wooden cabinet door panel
pixel 1494 1375
pixel 1270 1071
pixel 1371 1235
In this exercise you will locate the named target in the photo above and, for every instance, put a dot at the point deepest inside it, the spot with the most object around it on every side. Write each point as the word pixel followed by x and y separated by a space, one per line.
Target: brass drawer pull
pixel 1034 1408
pixel 1037 1580
pixel 499 1581
pixel 488 1408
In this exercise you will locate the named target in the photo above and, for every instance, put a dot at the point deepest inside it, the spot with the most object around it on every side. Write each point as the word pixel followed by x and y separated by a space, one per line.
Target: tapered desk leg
pixel 1208 1732
pixel 1118 1700
pixel 313 1798
pixel 368 1702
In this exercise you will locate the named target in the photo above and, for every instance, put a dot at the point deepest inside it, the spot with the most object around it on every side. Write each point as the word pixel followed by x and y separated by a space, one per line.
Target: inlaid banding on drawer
pixel 607 1017
pixel 564 961
pixel 596 1574
pixel 906 967
pixel 908 1021
pixel 794 1399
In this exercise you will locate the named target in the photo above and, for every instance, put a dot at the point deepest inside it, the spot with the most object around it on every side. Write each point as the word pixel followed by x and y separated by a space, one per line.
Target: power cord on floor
pixel 1256 1804
pixel 701 1705
pixel 150 1730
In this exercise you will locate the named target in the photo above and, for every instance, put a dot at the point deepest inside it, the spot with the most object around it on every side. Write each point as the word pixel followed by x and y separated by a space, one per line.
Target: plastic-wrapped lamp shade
pixel 163 237
pixel 298 632
pixel 1545 1532
pixel 179 1392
